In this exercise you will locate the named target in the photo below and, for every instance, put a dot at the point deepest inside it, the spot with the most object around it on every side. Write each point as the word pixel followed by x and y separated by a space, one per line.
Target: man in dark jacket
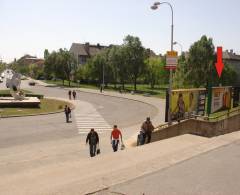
pixel 147 129
pixel 66 111
pixel 93 140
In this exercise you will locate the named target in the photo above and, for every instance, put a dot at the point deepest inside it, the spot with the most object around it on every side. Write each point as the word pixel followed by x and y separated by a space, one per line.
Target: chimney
pixel 86 46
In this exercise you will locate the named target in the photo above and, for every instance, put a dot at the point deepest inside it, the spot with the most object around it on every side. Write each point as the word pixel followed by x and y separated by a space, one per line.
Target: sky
pixel 30 26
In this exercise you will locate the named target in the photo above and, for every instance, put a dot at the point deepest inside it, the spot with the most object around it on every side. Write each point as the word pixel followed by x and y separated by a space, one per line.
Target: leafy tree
pixel 181 73
pixel 228 77
pixel 118 64
pixel 96 66
pixel 35 71
pixel 61 64
pixel 200 61
pixel 135 57
pixel 155 71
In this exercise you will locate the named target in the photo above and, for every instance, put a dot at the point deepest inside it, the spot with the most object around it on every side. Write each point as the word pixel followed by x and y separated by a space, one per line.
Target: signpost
pixel 171 60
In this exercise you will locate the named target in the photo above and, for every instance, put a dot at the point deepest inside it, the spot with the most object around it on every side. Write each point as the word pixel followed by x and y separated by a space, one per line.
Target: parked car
pixel 32 83
pixel 1 79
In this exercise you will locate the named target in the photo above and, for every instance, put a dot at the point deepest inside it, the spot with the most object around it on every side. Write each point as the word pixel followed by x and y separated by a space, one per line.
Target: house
pixel 28 59
pixel 233 59
pixel 83 52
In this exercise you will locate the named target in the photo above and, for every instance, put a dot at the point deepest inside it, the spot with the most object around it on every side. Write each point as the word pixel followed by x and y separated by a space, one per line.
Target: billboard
pixel 187 102
pixel 221 98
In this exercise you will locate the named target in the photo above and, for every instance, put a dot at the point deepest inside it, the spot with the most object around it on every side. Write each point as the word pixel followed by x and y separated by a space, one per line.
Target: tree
pixel 35 71
pixel 135 57
pixel 155 71
pixel 61 64
pixel 181 73
pixel 117 61
pixel 200 61
pixel 228 77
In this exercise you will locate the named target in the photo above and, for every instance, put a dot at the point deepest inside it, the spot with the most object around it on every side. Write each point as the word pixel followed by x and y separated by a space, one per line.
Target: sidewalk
pixel 102 172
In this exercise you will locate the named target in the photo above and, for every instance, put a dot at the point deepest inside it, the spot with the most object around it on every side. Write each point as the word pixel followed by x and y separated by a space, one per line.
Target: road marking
pixel 87 117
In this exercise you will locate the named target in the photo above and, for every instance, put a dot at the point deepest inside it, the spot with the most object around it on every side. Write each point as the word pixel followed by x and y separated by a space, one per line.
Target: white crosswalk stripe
pixel 87 117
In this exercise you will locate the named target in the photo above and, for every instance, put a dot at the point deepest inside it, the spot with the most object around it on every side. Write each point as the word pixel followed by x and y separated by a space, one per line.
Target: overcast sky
pixel 30 26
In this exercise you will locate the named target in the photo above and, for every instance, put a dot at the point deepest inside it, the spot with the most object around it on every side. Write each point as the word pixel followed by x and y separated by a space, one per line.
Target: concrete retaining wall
pixel 198 127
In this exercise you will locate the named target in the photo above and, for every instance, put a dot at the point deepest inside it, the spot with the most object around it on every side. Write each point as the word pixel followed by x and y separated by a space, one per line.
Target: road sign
pixel 171 60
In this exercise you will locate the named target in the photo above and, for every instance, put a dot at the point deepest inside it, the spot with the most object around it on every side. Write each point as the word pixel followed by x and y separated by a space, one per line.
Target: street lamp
pixel 176 43
pixel 154 7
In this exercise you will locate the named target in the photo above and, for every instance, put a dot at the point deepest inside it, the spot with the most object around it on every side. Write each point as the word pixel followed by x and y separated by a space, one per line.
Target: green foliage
pixel 155 72
pixel 135 57
pixel 60 64
pixel 35 71
pixel 200 61
pixel 181 74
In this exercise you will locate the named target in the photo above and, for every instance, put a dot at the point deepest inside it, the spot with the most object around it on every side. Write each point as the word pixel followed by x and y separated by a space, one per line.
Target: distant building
pixel 233 59
pixel 28 59
pixel 83 52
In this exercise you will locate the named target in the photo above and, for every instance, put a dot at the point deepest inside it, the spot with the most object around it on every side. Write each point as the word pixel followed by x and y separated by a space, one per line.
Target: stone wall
pixel 198 127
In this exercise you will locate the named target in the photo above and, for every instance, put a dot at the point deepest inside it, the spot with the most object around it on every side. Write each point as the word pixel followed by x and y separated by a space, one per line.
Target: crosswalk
pixel 87 117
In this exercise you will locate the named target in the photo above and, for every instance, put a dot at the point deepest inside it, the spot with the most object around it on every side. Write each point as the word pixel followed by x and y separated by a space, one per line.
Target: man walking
pixel 115 135
pixel 74 94
pixel 66 111
pixel 147 129
pixel 93 140
pixel 70 94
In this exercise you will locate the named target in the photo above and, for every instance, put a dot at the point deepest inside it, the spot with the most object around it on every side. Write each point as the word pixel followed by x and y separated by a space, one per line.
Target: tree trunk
pixel 69 83
pixel 135 83
pixel 63 82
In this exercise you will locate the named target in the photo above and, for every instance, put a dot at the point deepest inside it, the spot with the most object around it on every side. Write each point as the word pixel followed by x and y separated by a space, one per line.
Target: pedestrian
pixel 101 88
pixel 140 138
pixel 115 135
pixel 147 129
pixel 93 140
pixel 66 111
pixel 74 94
pixel 69 112
pixel 70 94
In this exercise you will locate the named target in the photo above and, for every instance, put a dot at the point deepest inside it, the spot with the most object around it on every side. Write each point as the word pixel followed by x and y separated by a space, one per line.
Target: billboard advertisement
pixel 187 102
pixel 221 99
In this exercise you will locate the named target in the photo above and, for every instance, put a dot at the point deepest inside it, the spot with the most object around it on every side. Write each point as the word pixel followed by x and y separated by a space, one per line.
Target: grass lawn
pixel 46 106
pixel 142 89
pixel 7 91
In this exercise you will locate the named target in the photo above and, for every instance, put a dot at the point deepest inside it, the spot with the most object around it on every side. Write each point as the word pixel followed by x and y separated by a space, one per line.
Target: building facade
pixel 233 59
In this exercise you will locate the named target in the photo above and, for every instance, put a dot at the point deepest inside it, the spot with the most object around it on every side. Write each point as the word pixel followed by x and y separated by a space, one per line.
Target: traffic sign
pixel 171 60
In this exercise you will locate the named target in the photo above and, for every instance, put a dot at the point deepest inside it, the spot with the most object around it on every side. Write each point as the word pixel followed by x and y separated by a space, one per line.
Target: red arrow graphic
pixel 219 65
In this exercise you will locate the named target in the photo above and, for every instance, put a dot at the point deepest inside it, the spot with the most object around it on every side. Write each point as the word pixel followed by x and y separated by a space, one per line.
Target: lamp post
pixel 176 43
pixel 154 7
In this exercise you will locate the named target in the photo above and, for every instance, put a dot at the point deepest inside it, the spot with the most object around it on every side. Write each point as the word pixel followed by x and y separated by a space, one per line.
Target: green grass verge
pixel 142 89
pixel 224 114
pixel 7 91
pixel 46 106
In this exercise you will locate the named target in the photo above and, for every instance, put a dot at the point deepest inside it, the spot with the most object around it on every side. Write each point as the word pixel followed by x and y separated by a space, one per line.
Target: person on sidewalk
pixel 147 129
pixel 69 112
pixel 74 94
pixel 93 140
pixel 66 111
pixel 70 94
pixel 115 135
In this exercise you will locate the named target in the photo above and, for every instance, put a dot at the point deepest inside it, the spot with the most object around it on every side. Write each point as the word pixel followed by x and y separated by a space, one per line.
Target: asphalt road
pixel 28 142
